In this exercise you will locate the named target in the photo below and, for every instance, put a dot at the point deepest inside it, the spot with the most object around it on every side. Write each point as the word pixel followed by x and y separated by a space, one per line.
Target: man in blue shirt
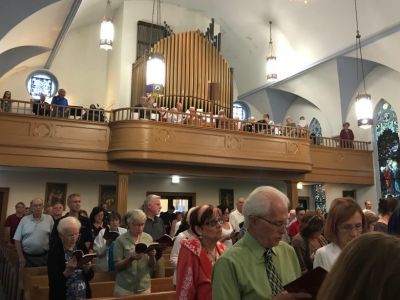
pixel 62 109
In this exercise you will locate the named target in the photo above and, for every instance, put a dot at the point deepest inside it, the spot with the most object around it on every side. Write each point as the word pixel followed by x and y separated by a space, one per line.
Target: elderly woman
pixel 358 275
pixel 345 222
pixel 67 280
pixel 197 256
pixel 309 240
pixel 104 243
pixel 133 269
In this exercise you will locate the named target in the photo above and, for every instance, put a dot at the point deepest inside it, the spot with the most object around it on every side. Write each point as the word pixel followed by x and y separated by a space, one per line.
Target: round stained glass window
pixel 41 82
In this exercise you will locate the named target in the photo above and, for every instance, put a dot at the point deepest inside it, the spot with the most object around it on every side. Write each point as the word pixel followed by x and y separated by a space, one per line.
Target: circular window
pixel 41 82
pixel 241 110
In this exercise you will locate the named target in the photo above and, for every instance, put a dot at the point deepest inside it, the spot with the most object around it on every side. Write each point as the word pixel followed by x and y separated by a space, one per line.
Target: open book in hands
pixel 143 248
pixel 165 241
pixel 82 259
pixel 309 283
pixel 110 235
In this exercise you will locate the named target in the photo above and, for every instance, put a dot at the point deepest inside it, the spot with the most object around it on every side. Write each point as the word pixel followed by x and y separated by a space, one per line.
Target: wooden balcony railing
pixel 194 119
pixel 47 110
pixel 206 120
pixel 339 143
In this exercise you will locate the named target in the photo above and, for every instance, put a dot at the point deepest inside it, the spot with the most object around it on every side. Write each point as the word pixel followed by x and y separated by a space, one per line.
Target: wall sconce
pixel 300 185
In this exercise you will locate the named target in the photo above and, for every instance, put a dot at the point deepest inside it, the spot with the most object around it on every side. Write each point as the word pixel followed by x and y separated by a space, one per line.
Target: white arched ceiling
pixel 303 34
pixel 14 11
pixel 13 57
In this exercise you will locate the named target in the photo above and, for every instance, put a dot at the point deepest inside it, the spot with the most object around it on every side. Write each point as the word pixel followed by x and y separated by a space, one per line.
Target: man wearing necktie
pixel 260 264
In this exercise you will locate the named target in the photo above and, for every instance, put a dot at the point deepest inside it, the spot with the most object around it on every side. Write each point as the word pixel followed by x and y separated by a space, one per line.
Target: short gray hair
pixel 68 222
pixel 149 199
pixel 259 201
pixel 135 216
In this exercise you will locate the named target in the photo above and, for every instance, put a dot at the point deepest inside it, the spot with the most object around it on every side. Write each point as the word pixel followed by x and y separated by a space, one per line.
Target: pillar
pixel 122 193
pixel 292 193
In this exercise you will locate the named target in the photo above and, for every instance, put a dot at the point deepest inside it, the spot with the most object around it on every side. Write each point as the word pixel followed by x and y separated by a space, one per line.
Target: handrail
pixel 44 109
pixel 206 120
pixel 194 119
pixel 320 141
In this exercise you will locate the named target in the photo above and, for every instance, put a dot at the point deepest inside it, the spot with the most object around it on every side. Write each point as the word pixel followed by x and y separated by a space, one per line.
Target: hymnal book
pixel 143 248
pixel 309 283
pixel 110 235
pixel 83 259
pixel 166 241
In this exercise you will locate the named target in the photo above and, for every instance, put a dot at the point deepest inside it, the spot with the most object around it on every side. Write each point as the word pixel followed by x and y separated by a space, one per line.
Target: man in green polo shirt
pixel 260 264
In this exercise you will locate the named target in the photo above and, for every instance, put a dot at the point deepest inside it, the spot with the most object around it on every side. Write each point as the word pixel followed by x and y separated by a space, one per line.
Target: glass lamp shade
pixel 155 74
pixel 271 67
pixel 364 111
pixel 106 34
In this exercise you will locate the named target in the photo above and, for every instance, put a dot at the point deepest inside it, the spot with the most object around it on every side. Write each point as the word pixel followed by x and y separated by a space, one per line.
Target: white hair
pixel 136 216
pixel 259 201
pixel 66 223
pixel 149 199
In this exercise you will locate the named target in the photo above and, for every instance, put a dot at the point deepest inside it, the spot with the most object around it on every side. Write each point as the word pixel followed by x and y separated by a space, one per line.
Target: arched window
pixel 386 131
pixel 315 127
pixel 241 110
pixel 41 82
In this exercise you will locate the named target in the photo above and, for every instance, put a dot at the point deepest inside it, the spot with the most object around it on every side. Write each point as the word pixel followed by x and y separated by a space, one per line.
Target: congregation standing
pixel 217 253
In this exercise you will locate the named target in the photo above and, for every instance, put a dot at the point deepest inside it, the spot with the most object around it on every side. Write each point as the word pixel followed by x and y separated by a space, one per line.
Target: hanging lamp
pixel 271 65
pixel 363 107
pixel 107 29
pixel 155 65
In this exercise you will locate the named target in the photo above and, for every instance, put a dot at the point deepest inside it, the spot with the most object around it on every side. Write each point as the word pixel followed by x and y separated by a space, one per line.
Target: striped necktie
pixel 273 276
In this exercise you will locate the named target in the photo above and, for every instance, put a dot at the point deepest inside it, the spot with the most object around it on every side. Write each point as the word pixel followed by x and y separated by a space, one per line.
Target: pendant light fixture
pixel 363 99
pixel 107 29
pixel 155 65
pixel 271 66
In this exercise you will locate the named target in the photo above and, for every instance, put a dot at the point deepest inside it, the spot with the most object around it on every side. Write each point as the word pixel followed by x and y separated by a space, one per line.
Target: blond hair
pixel 367 268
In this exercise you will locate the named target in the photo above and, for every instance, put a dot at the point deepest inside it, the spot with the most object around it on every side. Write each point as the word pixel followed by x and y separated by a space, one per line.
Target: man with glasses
pixel 32 236
pixel 259 264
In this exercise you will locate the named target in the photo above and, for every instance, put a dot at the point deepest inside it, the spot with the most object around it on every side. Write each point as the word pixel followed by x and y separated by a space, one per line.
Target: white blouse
pixel 326 256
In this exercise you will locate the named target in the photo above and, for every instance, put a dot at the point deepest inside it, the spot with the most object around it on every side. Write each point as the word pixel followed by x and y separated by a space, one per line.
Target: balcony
pixel 156 140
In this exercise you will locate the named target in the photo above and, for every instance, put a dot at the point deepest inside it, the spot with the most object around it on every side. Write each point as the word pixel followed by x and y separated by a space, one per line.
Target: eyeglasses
pixel 280 224
pixel 214 222
pixel 351 227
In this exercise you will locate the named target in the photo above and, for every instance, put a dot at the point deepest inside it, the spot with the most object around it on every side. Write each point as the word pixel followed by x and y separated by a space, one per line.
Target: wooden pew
pixel 169 271
pixel 100 289
pixel 153 296
pixel 42 280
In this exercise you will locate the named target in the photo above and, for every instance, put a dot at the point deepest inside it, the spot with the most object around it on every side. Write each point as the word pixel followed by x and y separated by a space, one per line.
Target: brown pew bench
pixel 171 295
pixel 42 280
pixel 100 289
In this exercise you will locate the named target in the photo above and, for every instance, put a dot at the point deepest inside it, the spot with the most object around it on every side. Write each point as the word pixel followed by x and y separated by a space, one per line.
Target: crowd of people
pixel 251 252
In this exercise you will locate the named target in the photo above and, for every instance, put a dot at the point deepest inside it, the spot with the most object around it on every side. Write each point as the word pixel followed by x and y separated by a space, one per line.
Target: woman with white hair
pixel 67 280
pixel 133 269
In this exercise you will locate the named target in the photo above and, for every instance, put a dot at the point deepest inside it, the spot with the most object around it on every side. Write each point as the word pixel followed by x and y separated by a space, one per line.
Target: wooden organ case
pixel 196 74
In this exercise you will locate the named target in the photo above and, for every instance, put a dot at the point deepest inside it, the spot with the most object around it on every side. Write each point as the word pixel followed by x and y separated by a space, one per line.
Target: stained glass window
pixel 318 196
pixel 41 82
pixel 386 131
pixel 240 110
pixel 315 127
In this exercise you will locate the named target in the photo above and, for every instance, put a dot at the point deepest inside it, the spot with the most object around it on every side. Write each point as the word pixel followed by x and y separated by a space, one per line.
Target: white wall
pixel 26 184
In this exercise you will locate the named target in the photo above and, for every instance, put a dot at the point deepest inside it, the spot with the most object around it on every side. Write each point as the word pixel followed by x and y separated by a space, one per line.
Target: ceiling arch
pixel 14 56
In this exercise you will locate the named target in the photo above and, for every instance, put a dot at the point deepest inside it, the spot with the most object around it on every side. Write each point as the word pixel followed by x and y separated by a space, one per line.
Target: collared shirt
pixel 326 256
pixel 235 218
pixel 240 273
pixel 34 234
pixel 136 276
pixel 101 248
pixel 154 227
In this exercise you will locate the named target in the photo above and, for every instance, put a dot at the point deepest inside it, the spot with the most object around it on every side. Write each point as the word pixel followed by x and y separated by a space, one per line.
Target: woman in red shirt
pixel 197 256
